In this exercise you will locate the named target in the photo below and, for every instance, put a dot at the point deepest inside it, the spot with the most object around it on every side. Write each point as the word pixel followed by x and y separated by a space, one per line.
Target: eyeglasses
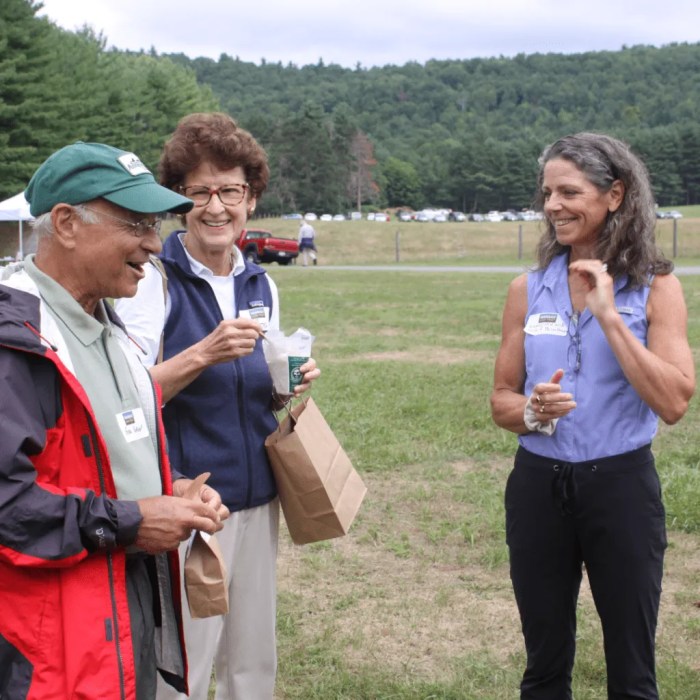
pixel 139 228
pixel 574 352
pixel 229 195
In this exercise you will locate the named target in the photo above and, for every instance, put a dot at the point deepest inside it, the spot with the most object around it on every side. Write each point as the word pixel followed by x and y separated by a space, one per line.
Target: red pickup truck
pixel 260 246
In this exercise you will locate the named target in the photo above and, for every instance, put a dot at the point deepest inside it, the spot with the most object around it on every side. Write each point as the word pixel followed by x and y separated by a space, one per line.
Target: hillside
pixel 464 127
pixel 456 134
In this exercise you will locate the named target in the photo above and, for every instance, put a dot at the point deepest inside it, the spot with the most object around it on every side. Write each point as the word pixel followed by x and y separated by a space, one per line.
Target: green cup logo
pixel 295 375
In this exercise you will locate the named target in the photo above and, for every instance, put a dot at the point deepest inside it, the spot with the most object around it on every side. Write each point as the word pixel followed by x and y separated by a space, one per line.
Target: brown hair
pixel 216 138
pixel 627 242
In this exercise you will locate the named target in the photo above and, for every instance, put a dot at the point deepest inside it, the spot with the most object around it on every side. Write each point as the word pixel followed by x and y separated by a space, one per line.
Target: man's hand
pixel 168 520
pixel 197 489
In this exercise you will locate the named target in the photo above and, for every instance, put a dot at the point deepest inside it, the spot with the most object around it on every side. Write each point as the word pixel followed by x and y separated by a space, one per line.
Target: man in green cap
pixel 90 514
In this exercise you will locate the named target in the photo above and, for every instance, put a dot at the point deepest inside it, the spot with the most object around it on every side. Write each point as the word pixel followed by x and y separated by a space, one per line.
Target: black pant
pixel 607 514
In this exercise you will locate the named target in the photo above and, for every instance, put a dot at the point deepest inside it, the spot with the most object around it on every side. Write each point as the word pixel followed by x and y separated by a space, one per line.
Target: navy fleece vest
pixel 220 421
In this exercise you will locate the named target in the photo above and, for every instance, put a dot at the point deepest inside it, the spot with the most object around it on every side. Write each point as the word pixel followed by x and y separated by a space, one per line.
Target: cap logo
pixel 133 165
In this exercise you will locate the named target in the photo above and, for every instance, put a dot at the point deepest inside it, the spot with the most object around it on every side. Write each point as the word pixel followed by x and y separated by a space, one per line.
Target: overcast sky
pixel 379 32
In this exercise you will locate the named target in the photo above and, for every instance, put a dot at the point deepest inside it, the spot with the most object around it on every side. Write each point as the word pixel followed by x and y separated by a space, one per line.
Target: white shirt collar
pixel 203 271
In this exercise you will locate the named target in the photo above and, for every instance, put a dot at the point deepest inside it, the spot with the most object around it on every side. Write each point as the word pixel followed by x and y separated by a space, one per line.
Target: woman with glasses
pixel 208 323
pixel 594 349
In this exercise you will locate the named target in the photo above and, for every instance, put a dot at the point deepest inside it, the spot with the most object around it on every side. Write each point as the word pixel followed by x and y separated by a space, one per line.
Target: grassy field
pixel 416 603
pixel 378 243
pixel 394 242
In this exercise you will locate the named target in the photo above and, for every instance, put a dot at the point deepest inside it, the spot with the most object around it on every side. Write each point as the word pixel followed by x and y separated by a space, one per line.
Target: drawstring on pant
pixel 564 487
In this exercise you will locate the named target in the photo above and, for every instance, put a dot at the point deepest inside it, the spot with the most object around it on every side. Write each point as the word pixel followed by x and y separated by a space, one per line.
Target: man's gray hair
pixel 43 227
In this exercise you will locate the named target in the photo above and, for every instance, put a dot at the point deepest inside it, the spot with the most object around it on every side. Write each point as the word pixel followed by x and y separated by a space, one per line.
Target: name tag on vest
pixel 260 314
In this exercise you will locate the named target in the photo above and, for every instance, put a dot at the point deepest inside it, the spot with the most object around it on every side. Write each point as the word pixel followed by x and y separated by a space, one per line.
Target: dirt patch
pixel 384 591
pixel 406 592
pixel 434 355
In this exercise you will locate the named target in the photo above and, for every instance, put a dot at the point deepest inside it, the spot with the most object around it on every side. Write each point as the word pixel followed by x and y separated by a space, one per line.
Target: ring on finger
pixel 539 399
pixel 542 408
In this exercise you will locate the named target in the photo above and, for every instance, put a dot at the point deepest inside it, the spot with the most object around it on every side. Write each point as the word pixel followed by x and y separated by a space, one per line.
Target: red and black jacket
pixel 64 617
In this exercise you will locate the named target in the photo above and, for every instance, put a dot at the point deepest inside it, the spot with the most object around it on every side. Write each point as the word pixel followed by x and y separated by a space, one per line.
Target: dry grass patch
pixel 408 591
pixel 436 355
pixel 439 356
pixel 391 595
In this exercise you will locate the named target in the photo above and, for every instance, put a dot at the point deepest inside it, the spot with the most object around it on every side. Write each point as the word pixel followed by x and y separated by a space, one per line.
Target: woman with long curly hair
pixel 594 350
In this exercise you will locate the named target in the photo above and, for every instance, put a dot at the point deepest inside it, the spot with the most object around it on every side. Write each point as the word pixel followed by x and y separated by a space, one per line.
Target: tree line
pixel 458 134
pixel 57 87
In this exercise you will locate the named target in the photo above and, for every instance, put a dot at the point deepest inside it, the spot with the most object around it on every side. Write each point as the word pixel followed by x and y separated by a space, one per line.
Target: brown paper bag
pixel 319 489
pixel 205 571
pixel 205 577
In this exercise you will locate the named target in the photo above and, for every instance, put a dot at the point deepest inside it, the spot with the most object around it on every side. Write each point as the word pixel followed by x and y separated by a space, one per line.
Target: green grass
pixel 415 603
pixel 504 243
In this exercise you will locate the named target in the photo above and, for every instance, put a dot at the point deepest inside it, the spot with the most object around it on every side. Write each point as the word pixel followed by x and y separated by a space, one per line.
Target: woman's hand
pixel 310 372
pixel 548 400
pixel 591 277
pixel 230 340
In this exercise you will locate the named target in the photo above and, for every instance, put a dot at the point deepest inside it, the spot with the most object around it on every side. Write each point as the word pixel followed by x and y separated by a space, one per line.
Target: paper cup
pixel 286 373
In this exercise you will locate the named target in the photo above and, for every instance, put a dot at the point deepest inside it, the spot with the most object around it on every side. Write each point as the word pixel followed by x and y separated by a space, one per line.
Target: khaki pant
pixel 241 645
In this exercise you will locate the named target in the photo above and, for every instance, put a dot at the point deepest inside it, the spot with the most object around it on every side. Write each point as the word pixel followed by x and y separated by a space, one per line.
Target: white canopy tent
pixel 16 209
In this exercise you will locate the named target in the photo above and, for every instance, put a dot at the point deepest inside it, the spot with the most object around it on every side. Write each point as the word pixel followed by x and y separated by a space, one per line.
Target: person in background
pixel 218 390
pixel 307 243
pixel 594 350
pixel 88 509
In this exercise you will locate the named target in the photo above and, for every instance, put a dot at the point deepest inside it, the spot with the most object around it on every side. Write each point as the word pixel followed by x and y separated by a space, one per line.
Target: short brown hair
pixel 216 138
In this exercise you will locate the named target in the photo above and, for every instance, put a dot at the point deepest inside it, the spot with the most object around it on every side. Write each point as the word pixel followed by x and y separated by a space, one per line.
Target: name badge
pixel 550 323
pixel 133 425
pixel 260 314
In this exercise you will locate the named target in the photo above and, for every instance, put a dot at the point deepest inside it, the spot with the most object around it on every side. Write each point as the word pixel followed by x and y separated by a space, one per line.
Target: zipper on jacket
pixel 242 425
pixel 110 561
pixel 238 374
pixel 158 445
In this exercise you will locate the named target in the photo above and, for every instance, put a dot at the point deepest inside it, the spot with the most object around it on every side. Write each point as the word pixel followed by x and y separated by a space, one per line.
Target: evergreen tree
pixel 25 94
pixel 402 184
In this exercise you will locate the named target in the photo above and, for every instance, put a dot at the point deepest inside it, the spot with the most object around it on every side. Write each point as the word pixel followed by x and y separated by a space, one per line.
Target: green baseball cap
pixel 84 171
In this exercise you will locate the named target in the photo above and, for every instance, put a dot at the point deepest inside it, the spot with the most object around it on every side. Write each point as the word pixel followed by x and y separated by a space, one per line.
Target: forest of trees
pixel 459 134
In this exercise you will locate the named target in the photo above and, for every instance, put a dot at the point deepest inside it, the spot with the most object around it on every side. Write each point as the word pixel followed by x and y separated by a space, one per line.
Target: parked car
pixel 439 218
pixel 456 216
pixel 338 217
pixel 355 215
pixel 527 215
pixel 380 216
pixel 673 214
pixel 404 215
pixel 292 216
pixel 260 246
pixel 326 217
pixel 493 216
pixel 422 216
pixel 310 216
pixel 476 217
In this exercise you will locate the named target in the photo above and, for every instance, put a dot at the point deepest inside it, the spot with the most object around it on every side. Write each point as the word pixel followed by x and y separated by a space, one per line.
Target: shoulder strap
pixel 158 264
